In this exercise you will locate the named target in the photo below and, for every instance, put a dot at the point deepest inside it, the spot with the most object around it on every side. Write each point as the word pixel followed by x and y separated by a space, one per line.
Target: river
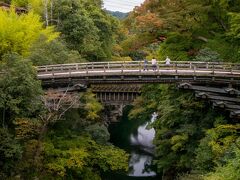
pixel 134 137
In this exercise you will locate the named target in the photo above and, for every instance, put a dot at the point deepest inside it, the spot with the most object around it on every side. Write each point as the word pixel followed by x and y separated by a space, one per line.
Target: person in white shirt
pixel 168 61
pixel 154 64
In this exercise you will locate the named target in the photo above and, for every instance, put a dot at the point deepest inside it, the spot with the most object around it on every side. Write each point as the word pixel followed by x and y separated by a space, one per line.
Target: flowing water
pixel 136 138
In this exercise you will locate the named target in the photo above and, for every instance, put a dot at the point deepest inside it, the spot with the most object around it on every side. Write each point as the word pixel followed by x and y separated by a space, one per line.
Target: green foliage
pixel 99 133
pixel 92 106
pixel 234 28
pixel 10 152
pixel 19 2
pixel 229 171
pixel 18 33
pixel 20 90
pixel 178 142
pixel 228 50
pixel 26 128
pixel 54 52
pixel 216 146
pixel 110 158
pixel 77 156
pixel 207 55
pixel 29 165
pixel 86 28
pixel 59 161
pixel 176 47
pixel 133 45
pixel 204 156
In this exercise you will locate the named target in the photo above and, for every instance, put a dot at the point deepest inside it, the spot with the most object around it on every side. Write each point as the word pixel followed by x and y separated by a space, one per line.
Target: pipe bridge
pixel 119 83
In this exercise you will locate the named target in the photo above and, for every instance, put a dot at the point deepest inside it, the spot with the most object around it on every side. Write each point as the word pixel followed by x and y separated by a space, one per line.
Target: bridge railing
pixel 138 66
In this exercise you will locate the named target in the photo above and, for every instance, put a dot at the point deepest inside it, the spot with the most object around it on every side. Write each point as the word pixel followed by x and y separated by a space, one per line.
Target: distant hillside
pixel 117 14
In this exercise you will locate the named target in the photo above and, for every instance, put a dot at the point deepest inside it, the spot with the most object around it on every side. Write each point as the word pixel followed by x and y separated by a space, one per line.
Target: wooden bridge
pixel 120 82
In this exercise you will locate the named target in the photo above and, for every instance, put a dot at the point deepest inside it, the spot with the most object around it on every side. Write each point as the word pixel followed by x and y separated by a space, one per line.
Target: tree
pixel 229 171
pixel 207 55
pixel 79 155
pixel 86 27
pixel 20 90
pixel 92 107
pixel 10 152
pixel 55 105
pixel 19 32
pixel 234 30
pixel 54 52
pixel 99 133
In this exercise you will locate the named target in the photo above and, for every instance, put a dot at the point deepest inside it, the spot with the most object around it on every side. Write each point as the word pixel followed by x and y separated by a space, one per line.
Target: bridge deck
pixel 115 72
pixel 118 82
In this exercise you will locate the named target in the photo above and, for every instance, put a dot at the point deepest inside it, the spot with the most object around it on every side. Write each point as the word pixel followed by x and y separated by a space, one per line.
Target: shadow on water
pixel 134 137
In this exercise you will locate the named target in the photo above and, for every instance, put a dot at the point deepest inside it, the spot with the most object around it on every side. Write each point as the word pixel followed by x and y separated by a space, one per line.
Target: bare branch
pixel 62 97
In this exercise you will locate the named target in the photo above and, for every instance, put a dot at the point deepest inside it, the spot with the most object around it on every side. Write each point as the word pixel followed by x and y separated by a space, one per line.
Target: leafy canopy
pixel 18 33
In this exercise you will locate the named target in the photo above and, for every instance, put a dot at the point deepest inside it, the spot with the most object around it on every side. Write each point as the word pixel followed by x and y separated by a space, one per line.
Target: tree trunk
pixel 46 11
pixel 51 13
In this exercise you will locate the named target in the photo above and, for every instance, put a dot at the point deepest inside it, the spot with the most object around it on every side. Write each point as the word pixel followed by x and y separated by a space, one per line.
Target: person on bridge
pixel 168 60
pixel 145 65
pixel 154 64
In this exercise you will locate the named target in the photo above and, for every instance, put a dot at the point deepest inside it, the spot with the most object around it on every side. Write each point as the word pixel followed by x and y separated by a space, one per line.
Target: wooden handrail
pixel 138 65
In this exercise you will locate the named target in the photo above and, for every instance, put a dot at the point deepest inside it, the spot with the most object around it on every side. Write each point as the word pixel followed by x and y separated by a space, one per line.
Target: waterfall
pixel 141 161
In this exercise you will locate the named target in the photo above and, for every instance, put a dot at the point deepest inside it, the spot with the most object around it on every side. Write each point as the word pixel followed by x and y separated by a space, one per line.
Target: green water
pixel 132 136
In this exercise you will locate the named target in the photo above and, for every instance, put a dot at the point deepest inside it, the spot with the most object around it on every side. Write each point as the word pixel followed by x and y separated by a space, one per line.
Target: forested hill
pixel 117 14
pixel 184 30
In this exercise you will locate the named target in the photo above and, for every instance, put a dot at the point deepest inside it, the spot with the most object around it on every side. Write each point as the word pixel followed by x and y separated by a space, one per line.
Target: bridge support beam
pixel 227 98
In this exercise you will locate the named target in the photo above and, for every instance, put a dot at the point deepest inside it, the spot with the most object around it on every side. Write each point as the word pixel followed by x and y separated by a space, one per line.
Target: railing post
pixel 86 68
pixel 207 65
pixel 108 65
pixel 175 67
pixel 77 67
pixel 190 65
pixel 213 69
pixel 46 69
pixel 104 69
pixel 139 65
pixel 92 66
pixel 69 70
pixel 122 68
